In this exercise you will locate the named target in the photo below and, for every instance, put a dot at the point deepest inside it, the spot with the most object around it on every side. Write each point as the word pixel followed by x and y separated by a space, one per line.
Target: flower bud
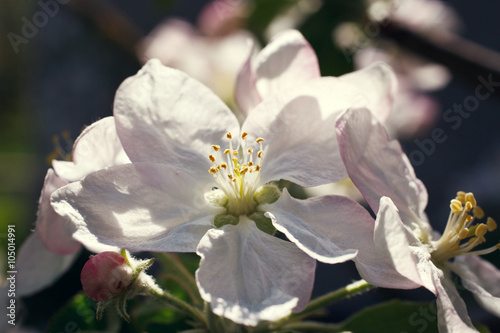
pixel 105 275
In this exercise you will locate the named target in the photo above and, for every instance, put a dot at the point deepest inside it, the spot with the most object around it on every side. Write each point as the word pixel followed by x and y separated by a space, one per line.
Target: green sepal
pixel 266 194
pixel 263 223
pixel 224 219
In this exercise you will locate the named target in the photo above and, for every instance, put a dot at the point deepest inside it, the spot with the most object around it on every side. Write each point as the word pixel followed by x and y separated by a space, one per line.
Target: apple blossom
pixel 384 176
pixel 199 183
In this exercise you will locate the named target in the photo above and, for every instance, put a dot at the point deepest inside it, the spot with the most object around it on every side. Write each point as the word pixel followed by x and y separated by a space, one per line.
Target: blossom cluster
pixel 174 170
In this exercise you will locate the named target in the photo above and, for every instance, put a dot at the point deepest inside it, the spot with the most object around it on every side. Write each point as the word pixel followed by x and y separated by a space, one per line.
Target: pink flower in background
pixel 384 176
pixel 51 250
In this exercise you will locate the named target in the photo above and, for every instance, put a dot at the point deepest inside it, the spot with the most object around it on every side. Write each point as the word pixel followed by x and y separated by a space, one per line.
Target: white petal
pixel 379 167
pixel 482 278
pixel 287 61
pixel 324 227
pixel 393 240
pixel 140 207
pixel 452 313
pixel 249 276
pixel 53 230
pixel 164 116
pixel 297 125
pixel 378 85
pixel 96 148
pixel 246 94
pixel 38 268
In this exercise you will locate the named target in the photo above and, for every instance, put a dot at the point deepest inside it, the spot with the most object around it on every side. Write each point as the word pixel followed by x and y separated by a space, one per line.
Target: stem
pixel 461 56
pixel 311 326
pixel 181 305
pixel 322 301
pixel 177 268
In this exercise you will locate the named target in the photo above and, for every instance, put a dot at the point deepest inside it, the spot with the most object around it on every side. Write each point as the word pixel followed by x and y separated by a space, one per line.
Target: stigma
pixel 237 173
pixel 464 231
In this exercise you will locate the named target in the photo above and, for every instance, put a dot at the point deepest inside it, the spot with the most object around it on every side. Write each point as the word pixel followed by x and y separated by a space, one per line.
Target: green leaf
pixel 394 317
pixel 79 314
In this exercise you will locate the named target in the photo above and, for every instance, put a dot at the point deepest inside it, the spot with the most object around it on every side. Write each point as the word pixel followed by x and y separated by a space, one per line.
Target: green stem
pixel 177 268
pixel 322 301
pixel 181 305
pixel 310 326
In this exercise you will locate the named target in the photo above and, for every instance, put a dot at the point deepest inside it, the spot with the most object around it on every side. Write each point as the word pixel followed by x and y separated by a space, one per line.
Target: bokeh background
pixel 65 74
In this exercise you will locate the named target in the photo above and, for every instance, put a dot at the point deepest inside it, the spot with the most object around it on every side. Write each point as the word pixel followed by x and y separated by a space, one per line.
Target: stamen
pixel 260 153
pixel 259 140
pixel 244 135
pixel 461 197
pixel 491 224
pixel 211 158
pixel 212 170
pixel 215 147
pixel 478 212
pixel 227 151
pixel 456 206
pixel 468 206
pixel 223 165
pixel 229 135
pixel 470 198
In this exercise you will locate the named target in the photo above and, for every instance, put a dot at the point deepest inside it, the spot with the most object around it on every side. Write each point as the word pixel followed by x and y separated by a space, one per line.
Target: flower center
pixel 463 232
pixel 237 174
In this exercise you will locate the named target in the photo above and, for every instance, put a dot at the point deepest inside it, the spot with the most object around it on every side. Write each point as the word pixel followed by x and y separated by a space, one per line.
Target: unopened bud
pixel 105 275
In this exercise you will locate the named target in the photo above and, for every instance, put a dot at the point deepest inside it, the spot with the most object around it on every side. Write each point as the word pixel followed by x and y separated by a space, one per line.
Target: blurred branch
pixel 111 22
pixel 461 56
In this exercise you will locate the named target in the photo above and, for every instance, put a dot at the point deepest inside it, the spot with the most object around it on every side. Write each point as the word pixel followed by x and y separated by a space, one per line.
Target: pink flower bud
pixel 105 275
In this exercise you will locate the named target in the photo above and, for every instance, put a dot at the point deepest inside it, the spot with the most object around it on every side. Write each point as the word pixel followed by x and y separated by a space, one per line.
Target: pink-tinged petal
pixel 140 207
pixel 53 230
pixel 452 313
pixel 379 167
pixel 105 275
pixel 246 94
pixel 249 276
pixel 307 155
pixel 378 84
pixel 321 227
pixel 164 116
pixel 38 268
pixel 481 278
pixel 287 61
pixel 96 148
pixel 394 241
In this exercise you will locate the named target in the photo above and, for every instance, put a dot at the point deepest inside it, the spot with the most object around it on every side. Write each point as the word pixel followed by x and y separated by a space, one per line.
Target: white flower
pixel 197 183
pixel 402 234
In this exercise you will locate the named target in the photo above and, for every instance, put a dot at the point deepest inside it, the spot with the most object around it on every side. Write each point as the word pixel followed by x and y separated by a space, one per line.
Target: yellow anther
pixel 244 170
pixel 456 206
pixel 259 140
pixel 234 180
pixel 463 233
pixel 227 151
pixel 461 196
pixel 478 212
pixel 481 230
pixel 498 246
pixel 212 170
pixel 215 147
pixel 223 165
pixel 468 218
pixel 229 135
pixel 250 150
pixel 218 168
pixel 470 197
pixel 468 206
pixel 211 158
pixel 235 153
pixel 257 167
pixel 259 154
pixel 250 163
pixel 230 176
pixel 491 224
pixel 244 135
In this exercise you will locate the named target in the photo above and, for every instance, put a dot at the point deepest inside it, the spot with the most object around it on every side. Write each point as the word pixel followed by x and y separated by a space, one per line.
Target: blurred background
pixel 62 61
